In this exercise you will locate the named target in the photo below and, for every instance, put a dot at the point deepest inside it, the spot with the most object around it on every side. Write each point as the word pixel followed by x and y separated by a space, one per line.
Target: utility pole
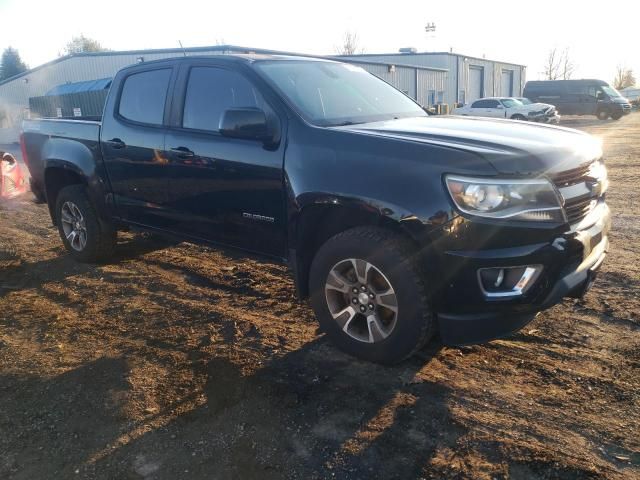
pixel 430 29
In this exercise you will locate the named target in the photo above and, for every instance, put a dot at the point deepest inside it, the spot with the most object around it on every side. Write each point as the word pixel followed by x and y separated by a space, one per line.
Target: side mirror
pixel 499 106
pixel 245 123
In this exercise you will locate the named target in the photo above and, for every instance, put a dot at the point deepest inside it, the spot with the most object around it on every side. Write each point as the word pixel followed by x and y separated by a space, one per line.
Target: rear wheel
pixel 602 114
pixel 369 295
pixel 85 236
pixel 517 116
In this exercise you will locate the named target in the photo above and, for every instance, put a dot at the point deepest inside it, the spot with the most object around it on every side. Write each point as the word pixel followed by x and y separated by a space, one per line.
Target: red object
pixel 12 180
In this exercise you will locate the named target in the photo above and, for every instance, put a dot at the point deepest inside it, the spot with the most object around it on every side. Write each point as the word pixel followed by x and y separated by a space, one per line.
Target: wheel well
pixel 318 224
pixel 55 179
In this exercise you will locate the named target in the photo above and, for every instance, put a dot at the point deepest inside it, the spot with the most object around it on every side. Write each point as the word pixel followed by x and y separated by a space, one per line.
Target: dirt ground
pixel 176 361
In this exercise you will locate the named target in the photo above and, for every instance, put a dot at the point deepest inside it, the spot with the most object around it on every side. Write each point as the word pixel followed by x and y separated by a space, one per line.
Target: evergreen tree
pixel 11 64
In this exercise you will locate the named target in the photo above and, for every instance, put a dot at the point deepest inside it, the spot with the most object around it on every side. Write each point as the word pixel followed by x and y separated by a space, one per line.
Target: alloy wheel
pixel 73 226
pixel 361 300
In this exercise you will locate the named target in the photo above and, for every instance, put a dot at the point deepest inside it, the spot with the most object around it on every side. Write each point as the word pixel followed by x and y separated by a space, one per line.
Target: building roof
pixel 409 55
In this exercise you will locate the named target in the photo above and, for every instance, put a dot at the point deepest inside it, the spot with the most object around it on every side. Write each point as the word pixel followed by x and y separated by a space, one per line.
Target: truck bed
pixel 42 138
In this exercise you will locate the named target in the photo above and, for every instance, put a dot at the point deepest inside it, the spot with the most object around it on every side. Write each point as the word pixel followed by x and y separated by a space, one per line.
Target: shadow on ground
pixel 311 413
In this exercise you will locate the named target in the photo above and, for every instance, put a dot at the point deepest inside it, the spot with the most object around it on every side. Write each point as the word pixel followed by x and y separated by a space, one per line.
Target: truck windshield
pixel 612 92
pixel 330 94
pixel 511 103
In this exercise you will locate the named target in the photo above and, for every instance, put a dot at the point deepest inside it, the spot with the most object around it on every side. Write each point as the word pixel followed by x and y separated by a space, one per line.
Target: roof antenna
pixel 183 50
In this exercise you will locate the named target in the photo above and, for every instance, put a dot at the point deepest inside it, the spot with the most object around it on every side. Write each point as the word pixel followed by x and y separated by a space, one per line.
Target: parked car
pixel 579 97
pixel 510 108
pixel 394 223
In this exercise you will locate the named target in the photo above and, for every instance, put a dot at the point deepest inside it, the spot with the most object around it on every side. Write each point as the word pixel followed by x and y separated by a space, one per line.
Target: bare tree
pixel 349 44
pixel 566 65
pixel 558 65
pixel 551 65
pixel 624 78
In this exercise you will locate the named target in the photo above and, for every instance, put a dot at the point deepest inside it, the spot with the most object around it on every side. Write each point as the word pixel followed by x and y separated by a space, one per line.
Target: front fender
pixel 360 209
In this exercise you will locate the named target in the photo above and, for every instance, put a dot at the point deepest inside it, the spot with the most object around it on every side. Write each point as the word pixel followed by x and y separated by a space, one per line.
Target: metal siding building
pixel 416 82
pixel 469 77
pixel 428 84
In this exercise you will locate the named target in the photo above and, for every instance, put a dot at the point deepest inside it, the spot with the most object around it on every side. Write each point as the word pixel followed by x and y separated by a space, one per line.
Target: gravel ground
pixel 177 361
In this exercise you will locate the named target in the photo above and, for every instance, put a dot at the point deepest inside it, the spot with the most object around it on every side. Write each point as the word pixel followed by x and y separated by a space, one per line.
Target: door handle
pixel 182 152
pixel 116 143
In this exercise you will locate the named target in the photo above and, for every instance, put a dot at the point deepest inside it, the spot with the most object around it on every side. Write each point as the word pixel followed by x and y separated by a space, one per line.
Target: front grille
pixel 573 176
pixel 578 209
pixel 578 205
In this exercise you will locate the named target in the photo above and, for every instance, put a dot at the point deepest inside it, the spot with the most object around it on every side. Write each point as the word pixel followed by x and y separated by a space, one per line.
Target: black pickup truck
pixel 395 224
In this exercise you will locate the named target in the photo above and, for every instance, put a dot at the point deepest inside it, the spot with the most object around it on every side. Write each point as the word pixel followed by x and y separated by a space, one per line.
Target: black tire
pixel 602 115
pixel 396 258
pixel 616 116
pixel 100 235
pixel 37 191
pixel 517 116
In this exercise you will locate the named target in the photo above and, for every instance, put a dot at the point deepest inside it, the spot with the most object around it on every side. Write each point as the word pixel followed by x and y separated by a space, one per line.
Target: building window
pixel 432 97
pixel 441 96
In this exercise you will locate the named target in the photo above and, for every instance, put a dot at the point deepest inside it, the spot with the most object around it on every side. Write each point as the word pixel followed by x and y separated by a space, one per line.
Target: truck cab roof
pixel 233 58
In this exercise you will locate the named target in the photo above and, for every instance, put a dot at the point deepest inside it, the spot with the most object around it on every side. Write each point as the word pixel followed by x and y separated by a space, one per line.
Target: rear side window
pixel 211 91
pixel 484 104
pixel 144 95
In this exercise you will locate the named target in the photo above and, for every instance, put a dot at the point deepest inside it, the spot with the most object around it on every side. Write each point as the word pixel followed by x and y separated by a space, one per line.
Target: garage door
pixel 507 83
pixel 476 75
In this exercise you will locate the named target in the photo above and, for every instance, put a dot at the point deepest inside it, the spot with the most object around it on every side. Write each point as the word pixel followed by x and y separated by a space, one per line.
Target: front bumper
pixel 570 260
pixel 552 118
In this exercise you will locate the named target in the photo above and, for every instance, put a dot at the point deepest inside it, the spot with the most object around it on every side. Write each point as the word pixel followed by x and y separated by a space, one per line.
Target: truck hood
pixel 619 100
pixel 512 147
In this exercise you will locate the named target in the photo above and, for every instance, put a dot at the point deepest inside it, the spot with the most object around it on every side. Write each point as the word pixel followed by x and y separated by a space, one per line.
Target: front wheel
pixel 517 116
pixel 616 116
pixel 85 236
pixel 369 295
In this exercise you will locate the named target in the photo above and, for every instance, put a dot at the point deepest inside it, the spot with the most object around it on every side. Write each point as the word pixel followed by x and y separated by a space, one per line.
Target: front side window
pixel 327 93
pixel 211 91
pixel 143 96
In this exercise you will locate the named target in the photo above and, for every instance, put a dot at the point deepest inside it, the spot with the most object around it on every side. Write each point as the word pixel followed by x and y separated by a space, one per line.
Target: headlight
pixel 527 199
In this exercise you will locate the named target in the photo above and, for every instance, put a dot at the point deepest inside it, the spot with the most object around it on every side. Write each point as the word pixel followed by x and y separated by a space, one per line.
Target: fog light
pixel 506 282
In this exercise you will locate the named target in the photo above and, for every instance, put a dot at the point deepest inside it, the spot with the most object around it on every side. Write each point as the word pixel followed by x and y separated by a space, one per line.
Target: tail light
pixel 23 149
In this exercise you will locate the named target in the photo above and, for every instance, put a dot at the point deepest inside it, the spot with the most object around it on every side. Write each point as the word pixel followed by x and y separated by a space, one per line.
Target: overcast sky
pixel 599 35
